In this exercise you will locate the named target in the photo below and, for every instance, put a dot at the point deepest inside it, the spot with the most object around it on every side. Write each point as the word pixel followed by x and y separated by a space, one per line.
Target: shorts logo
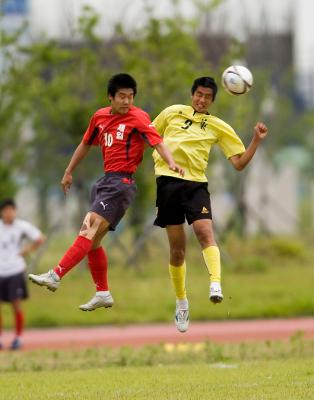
pixel 103 205
pixel 204 211
pixel 120 131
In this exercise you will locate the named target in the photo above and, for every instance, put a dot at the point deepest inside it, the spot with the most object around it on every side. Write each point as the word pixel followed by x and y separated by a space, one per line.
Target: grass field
pixel 270 370
pixel 289 380
pixel 261 278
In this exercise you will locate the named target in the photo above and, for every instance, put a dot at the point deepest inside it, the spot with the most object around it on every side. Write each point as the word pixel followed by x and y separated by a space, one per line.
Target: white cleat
pixel 181 319
pixel 215 293
pixel 50 279
pixel 97 301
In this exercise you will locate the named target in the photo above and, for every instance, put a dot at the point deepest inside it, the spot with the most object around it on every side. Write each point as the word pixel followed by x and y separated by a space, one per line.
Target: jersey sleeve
pixel 148 132
pixel 229 142
pixel 30 231
pixel 91 136
pixel 160 122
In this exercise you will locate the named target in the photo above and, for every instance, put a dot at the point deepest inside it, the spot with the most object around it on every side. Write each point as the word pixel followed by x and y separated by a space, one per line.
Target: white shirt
pixel 11 244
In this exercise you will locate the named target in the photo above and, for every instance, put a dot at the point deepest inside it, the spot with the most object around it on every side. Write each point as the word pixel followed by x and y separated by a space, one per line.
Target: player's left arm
pixel 166 155
pixel 240 161
pixel 32 246
pixel 153 138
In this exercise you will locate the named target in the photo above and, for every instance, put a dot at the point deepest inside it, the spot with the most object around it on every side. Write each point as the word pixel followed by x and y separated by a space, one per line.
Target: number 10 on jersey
pixel 108 139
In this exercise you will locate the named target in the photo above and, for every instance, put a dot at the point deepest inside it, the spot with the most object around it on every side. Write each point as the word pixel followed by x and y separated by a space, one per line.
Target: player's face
pixel 8 214
pixel 122 101
pixel 202 98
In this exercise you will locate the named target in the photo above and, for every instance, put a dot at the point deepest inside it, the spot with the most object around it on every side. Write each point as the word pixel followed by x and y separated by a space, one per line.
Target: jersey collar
pixel 196 112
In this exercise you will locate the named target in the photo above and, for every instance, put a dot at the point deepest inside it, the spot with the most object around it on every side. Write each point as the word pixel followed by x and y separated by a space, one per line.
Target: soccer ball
pixel 237 80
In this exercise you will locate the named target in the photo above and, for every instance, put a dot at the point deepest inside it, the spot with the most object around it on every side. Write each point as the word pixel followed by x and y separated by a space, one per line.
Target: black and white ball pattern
pixel 237 80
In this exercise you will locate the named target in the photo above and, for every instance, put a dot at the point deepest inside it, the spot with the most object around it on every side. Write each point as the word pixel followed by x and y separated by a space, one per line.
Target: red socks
pixel 97 261
pixel 74 255
pixel 19 322
pixel 98 265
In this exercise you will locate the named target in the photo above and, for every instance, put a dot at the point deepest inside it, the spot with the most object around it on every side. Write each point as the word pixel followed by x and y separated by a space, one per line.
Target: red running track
pixel 139 335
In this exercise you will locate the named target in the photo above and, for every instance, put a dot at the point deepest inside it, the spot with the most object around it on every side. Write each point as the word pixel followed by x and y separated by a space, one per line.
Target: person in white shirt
pixel 13 249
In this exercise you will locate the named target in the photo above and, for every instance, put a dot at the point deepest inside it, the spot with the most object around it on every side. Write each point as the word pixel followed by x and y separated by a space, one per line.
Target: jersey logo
pixel 204 211
pixel 120 132
pixel 203 124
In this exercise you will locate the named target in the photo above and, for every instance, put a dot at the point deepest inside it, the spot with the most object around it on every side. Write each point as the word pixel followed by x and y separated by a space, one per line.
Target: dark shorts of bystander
pixel 13 287
pixel 179 200
pixel 112 195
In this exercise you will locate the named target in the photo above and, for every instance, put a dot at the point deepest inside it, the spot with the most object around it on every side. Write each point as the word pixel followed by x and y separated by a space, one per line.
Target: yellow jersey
pixel 189 136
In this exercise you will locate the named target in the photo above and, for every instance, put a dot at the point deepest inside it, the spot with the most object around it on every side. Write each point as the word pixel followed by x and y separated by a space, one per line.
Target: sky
pixel 131 13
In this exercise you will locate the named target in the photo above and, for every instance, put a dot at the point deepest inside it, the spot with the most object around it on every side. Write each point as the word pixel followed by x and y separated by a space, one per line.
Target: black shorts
pixel 179 199
pixel 13 287
pixel 112 195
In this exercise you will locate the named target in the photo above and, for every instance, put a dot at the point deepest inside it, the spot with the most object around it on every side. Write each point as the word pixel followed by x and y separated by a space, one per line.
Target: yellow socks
pixel 177 276
pixel 212 260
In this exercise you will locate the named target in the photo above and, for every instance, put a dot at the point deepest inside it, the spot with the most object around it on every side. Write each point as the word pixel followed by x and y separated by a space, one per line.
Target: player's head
pixel 203 92
pixel 121 92
pixel 8 210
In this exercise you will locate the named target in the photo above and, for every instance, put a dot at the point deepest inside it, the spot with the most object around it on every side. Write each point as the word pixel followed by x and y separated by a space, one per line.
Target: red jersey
pixel 122 137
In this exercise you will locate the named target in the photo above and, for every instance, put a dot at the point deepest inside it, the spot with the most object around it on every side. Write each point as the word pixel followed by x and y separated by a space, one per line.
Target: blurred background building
pixel 287 23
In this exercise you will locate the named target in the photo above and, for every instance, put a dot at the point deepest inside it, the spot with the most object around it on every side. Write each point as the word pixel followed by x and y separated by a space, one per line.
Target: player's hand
pixel 66 182
pixel 176 168
pixel 23 253
pixel 260 131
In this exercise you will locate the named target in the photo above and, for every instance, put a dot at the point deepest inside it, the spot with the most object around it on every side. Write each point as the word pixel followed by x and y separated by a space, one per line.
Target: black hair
pixel 205 81
pixel 121 81
pixel 7 202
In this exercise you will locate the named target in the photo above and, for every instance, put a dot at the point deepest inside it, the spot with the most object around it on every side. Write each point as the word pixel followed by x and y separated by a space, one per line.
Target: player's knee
pixel 93 226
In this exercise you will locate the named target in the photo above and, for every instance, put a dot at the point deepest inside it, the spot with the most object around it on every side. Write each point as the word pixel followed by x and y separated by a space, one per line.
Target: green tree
pixel 11 119
pixel 66 84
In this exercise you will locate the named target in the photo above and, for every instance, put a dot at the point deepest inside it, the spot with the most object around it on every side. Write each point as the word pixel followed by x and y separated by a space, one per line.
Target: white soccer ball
pixel 237 80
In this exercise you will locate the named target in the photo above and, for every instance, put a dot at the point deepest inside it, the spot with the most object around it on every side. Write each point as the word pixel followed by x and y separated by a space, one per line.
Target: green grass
pixel 155 355
pixel 292 379
pixel 270 370
pixel 261 278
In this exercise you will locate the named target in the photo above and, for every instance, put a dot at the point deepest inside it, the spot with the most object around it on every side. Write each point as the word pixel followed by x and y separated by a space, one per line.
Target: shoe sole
pixel 93 309
pixel 182 331
pixel 216 299
pixel 51 288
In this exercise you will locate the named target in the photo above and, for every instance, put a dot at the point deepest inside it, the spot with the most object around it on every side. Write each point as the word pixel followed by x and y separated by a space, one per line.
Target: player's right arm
pixel 90 138
pixel 78 155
